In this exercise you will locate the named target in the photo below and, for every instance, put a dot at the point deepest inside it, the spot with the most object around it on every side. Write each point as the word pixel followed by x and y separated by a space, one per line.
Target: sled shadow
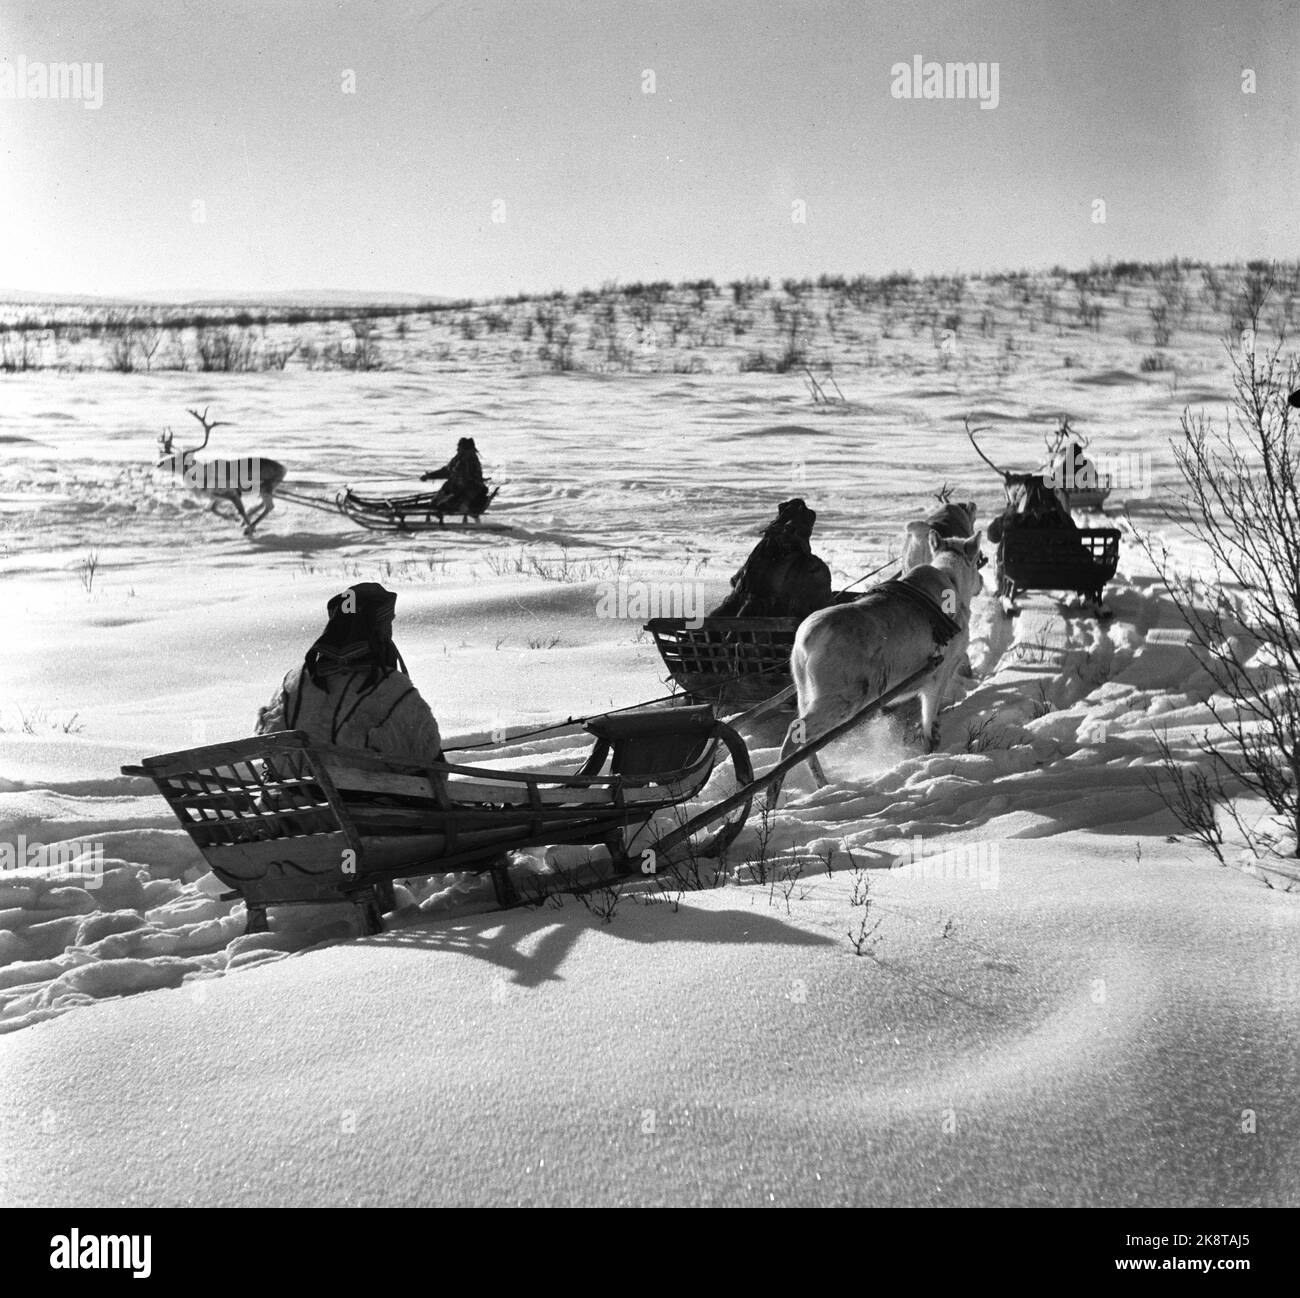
pixel 498 936
pixel 300 542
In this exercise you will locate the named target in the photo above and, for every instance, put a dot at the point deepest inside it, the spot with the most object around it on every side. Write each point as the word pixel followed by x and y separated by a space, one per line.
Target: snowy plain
pixel 1074 1005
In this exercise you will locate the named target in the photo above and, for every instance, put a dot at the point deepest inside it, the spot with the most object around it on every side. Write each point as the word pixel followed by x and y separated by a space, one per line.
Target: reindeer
pixel 223 479
pixel 1033 499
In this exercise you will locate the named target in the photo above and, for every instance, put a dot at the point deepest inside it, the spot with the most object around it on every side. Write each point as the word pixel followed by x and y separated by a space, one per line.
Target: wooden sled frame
pixel 731 660
pixel 410 513
pixel 282 820
pixel 734 660
pixel 1035 558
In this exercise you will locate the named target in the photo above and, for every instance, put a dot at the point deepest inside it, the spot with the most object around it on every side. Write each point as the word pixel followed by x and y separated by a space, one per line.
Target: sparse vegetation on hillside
pixel 697 326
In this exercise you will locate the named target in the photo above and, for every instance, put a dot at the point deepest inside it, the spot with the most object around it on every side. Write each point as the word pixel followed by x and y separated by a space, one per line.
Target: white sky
pixel 539 103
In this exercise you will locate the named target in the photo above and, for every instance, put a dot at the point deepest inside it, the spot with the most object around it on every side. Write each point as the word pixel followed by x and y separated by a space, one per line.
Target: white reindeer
pixel 223 479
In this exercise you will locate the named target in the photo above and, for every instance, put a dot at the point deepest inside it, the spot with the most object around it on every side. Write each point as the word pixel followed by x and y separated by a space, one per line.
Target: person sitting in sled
pixel 352 687
pixel 782 577
pixel 465 491
pixel 1081 476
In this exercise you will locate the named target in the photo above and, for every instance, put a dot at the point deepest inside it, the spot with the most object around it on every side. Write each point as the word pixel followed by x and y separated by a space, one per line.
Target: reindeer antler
pixel 1000 472
pixel 207 427
pixel 1056 441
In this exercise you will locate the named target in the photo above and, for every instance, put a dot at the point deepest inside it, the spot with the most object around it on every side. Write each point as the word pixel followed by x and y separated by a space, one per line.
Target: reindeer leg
pixel 801 728
pixel 268 504
pixel 243 513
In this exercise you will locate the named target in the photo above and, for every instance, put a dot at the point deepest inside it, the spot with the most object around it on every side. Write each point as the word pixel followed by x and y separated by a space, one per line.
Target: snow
pixel 1065 1000
pixel 1047 1051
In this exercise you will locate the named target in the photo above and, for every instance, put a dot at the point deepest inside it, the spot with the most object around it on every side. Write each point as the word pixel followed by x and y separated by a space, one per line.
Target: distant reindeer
pixel 223 479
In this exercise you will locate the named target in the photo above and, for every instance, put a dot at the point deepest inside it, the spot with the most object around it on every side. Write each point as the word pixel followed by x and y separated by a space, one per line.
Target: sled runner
pixel 281 820
pixel 420 512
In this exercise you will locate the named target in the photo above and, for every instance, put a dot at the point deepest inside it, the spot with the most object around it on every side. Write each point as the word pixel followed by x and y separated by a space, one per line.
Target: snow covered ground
pixel 993 974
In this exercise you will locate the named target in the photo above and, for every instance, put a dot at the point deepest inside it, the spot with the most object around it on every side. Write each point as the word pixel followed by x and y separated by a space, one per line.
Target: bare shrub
pixel 1242 486
pixel 119 351
pixel 1191 794
pixel 223 350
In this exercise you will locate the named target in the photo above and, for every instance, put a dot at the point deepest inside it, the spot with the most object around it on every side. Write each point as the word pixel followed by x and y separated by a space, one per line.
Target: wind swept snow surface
pixel 1001 1045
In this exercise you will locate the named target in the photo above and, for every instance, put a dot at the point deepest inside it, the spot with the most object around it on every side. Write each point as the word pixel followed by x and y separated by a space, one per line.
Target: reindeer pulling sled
pixel 1040 547
pixel 465 492
pixel 282 820
pixel 739 654
pixel 222 480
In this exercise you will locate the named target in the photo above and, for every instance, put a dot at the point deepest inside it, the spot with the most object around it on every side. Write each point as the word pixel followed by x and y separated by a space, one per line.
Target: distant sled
pixel 1040 547
pixel 419 512
pixel 1075 476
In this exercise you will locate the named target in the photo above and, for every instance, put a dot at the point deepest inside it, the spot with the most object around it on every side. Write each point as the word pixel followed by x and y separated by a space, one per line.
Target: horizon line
pixel 385 297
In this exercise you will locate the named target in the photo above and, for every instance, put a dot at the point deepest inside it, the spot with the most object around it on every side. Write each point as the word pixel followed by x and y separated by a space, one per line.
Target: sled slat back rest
pixel 1103 544
pixel 1088 548
pixel 724 646
pixel 250 791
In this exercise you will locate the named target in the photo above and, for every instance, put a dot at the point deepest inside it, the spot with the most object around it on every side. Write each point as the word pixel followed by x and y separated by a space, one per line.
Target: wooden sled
pixel 420 512
pixel 726 660
pixel 1035 558
pixel 281 820
pixel 732 661
pixel 736 661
